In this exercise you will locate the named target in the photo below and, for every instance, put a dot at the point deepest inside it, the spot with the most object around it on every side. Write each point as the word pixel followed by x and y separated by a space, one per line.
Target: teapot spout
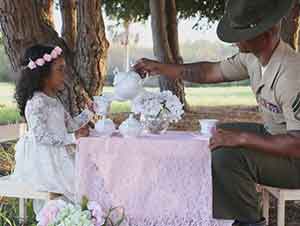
pixel 144 80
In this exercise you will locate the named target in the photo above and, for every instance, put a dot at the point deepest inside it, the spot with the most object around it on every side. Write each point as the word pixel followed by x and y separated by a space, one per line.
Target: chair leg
pixel 22 211
pixel 266 205
pixel 281 212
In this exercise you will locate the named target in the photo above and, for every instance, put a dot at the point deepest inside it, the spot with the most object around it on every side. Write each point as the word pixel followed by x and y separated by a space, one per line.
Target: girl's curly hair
pixel 33 80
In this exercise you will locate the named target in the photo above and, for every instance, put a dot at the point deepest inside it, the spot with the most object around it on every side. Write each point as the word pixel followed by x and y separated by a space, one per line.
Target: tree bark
pixel 172 29
pixel 165 41
pixel 126 26
pixel 173 37
pixel 20 33
pixel 91 46
pixel 69 22
pixel 290 26
pixel 47 10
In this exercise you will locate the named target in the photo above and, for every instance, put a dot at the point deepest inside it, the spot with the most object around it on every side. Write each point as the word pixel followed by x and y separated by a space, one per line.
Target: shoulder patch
pixel 296 103
pixel 296 106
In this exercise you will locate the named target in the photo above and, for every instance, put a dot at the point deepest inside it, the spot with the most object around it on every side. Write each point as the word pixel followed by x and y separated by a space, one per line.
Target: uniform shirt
pixel 277 91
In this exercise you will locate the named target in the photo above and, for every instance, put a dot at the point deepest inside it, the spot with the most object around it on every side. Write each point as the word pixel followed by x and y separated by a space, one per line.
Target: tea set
pixel 128 85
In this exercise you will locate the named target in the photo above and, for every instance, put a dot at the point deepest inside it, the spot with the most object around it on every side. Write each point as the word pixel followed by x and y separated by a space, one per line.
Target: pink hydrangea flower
pixel 50 211
pixel 47 57
pixel 97 213
pixel 48 216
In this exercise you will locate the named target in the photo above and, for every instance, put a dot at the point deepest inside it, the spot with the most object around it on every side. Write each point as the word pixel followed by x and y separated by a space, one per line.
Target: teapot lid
pixel 119 76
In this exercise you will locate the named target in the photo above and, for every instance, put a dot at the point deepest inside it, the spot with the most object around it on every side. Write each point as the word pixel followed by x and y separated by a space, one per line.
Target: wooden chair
pixel 13 189
pixel 282 196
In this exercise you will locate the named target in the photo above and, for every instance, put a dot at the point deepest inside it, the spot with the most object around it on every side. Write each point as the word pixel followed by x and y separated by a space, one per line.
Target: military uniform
pixel 277 90
pixel 236 172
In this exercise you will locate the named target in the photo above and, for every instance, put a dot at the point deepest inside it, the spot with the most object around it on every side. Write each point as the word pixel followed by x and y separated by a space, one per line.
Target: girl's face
pixel 56 80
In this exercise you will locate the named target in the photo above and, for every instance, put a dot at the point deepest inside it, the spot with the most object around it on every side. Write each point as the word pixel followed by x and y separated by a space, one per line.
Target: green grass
pixel 6 94
pixel 202 96
pixel 9 115
pixel 210 96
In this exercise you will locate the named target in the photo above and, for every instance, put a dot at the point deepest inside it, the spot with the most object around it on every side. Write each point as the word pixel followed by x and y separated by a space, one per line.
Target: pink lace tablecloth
pixel 159 180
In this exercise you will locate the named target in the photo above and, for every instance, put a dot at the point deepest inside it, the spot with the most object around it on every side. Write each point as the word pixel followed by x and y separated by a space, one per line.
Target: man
pixel 244 155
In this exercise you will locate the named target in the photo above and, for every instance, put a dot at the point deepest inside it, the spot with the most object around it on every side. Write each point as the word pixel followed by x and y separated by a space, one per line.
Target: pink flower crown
pixel 55 53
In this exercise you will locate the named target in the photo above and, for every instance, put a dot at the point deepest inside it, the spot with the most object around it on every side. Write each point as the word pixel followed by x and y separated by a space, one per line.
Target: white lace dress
pixel 45 155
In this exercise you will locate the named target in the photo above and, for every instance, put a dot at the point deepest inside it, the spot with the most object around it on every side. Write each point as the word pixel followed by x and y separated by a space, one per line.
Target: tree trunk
pixel 91 46
pixel 69 25
pixel 298 36
pixel 172 29
pixel 20 33
pixel 165 41
pixel 127 45
pixel 47 10
pixel 290 25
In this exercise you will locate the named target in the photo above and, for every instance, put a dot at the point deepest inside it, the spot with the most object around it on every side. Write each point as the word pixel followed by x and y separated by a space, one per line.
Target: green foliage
pixel 138 10
pixel 127 10
pixel 1 39
pixel 212 10
pixel 84 203
pixel 4 65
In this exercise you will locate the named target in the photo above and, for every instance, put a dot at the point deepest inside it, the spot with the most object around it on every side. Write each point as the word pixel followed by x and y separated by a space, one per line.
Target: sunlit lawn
pixel 208 96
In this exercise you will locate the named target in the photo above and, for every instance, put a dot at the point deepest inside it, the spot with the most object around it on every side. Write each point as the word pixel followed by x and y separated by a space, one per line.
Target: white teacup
pixel 208 126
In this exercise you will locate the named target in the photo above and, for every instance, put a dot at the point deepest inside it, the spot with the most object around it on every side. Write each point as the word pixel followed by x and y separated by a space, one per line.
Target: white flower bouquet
pixel 158 110
pixel 89 213
pixel 158 105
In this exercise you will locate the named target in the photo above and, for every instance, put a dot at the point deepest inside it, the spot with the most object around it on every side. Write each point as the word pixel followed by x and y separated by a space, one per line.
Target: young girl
pixel 45 155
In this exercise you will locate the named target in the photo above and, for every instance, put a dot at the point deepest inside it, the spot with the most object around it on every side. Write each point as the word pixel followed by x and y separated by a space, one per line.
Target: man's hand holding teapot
pixel 146 67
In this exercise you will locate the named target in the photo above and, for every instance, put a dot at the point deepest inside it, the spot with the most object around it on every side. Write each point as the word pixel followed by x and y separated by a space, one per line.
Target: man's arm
pixel 201 72
pixel 284 145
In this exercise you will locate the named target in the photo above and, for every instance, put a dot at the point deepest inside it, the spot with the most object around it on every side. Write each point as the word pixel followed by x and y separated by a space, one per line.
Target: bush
pixel 4 66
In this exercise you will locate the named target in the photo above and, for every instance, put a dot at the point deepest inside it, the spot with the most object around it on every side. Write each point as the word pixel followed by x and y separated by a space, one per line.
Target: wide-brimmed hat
pixel 245 19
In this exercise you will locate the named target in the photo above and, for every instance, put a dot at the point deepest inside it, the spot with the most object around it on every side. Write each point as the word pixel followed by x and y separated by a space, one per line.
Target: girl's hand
pixel 82 132
pixel 91 106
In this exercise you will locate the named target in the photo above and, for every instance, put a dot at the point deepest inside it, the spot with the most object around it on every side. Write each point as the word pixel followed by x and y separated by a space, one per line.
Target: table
pixel 159 180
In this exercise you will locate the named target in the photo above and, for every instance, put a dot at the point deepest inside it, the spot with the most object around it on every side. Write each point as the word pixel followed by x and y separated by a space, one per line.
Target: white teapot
pixel 131 127
pixel 105 127
pixel 128 85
